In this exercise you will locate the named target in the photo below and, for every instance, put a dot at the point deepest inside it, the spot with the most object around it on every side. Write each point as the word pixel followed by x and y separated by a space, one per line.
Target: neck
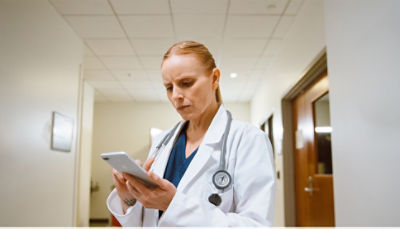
pixel 200 125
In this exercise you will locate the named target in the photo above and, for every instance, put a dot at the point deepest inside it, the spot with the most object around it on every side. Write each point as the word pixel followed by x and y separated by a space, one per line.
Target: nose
pixel 176 94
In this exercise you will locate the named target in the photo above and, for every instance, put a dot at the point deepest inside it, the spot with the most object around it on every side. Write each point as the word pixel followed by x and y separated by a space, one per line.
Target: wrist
pixel 130 202
pixel 126 204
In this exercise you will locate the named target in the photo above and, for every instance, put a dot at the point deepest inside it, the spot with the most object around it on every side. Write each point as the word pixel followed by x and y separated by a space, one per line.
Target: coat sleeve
pixel 134 215
pixel 253 191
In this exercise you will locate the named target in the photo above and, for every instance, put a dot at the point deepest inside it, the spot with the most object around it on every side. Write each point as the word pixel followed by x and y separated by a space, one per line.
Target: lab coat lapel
pixel 158 167
pixel 161 162
pixel 207 147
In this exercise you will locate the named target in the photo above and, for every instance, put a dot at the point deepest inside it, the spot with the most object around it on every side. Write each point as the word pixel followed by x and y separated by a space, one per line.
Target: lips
pixel 182 107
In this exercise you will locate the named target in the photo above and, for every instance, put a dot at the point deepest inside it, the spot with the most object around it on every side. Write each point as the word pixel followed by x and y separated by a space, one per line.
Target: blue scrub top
pixel 177 162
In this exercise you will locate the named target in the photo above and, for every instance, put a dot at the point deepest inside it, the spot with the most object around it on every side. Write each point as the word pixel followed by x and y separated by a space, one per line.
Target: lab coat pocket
pixel 226 197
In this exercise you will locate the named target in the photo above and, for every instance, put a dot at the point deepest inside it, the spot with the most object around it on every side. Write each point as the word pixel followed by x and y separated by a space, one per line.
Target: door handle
pixel 309 188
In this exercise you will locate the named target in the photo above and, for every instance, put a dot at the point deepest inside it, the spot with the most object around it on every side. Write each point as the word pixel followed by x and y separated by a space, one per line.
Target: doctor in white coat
pixel 184 168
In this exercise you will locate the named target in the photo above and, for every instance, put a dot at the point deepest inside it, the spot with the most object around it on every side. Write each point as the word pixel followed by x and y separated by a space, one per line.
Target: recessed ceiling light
pixel 233 75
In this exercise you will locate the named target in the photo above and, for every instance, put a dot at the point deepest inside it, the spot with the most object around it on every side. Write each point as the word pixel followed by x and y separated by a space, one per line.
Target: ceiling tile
pixel 156 79
pixel 156 47
pixel 238 63
pixel 98 97
pixel 130 75
pixel 148 97
pixel 106 91
pixel 199 25
pixel 97 75
pixel 105 84
pixel 263 63
pixel 121 62
pixel 141 6
pixel 141 26
pixel 251 26
pixel 116 95
pixel 92 62
pixel 271 7
pixel 154 74
pixel 273 48
pixel 293 7
pixel 243 47
pixel 199 7
pixel 231 92
pixel 241 75
pixel 96 26
pixel 255 75
pixel 87 52
pixel 151 62
pixel 138 85
pixel 283 26
pixel 144 94
pixel 104 47
pixel 247 94
pixel 87 7
pixel 159 87
pixel 122 98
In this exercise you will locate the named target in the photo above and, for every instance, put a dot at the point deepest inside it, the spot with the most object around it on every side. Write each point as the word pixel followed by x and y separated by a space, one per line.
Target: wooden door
pixel 313 160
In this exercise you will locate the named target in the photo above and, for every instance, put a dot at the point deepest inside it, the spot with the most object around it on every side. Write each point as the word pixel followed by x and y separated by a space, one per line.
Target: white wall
pixel 363 64
pixel 39 69
pixel 305 40
pixel 85 157
pixel 126 127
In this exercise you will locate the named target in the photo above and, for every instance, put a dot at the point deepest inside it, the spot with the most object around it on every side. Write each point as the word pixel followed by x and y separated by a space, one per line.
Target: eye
pixel 168 88
pixel 187 83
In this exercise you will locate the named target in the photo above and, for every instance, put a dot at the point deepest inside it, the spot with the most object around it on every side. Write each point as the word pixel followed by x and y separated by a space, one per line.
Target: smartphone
pixel 123 163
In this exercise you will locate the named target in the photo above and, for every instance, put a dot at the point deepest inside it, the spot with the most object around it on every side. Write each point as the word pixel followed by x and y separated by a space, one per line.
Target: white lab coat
pixel 248 201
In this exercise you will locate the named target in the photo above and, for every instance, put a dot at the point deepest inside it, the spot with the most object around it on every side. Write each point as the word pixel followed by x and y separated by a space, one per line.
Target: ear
pixel 216 74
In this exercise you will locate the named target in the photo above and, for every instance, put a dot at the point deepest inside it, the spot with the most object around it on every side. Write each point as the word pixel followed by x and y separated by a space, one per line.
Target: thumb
pixel 148 163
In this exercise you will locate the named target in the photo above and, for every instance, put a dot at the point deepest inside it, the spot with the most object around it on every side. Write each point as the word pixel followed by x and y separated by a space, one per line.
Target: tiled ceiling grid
pixel 125 41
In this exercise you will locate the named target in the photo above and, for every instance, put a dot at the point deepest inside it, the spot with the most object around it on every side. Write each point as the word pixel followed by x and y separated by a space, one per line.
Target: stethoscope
pixel 221 178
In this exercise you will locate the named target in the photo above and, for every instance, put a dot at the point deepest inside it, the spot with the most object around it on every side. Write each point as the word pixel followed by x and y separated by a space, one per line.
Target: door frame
pixel 312 72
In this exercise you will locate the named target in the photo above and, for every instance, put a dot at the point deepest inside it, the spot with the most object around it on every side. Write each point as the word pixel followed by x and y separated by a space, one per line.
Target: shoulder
pixel 246 129
pixel 250 139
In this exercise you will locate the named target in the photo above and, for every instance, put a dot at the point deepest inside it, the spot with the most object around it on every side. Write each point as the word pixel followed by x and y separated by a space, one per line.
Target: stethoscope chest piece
pixel 215 199
pixel 221 179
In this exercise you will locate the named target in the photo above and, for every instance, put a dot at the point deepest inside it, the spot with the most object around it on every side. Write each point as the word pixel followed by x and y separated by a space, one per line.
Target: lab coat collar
pixel 217 127
pixel 206 149
pixel 211 139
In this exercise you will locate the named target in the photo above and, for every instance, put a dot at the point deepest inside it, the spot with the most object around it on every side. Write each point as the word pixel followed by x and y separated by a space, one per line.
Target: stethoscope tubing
pixel 221 171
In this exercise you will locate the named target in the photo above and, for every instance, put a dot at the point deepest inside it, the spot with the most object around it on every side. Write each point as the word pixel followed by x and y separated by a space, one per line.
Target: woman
pixel 184 169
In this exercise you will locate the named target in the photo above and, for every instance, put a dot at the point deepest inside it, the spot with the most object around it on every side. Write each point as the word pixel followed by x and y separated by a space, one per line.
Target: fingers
pixel 162 183
pixel 118 178
pixel 132 189
pixel 135 183
pixel 148 164
pixel 139 162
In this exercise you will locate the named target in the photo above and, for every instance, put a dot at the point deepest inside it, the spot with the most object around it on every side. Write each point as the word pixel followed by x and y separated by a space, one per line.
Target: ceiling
pixel 126 39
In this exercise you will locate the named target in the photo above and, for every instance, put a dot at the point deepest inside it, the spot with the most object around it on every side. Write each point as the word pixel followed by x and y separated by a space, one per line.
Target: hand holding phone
pixel 123 163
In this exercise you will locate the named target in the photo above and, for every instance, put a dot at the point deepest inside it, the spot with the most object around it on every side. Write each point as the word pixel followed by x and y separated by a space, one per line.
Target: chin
pixel 186 115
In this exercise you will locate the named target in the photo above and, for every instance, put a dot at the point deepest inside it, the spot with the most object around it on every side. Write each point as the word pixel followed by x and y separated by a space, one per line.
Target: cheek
pixel 201 94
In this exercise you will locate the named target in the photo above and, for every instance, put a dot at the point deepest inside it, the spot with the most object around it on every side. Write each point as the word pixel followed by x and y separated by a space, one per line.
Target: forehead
pixel 176 65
